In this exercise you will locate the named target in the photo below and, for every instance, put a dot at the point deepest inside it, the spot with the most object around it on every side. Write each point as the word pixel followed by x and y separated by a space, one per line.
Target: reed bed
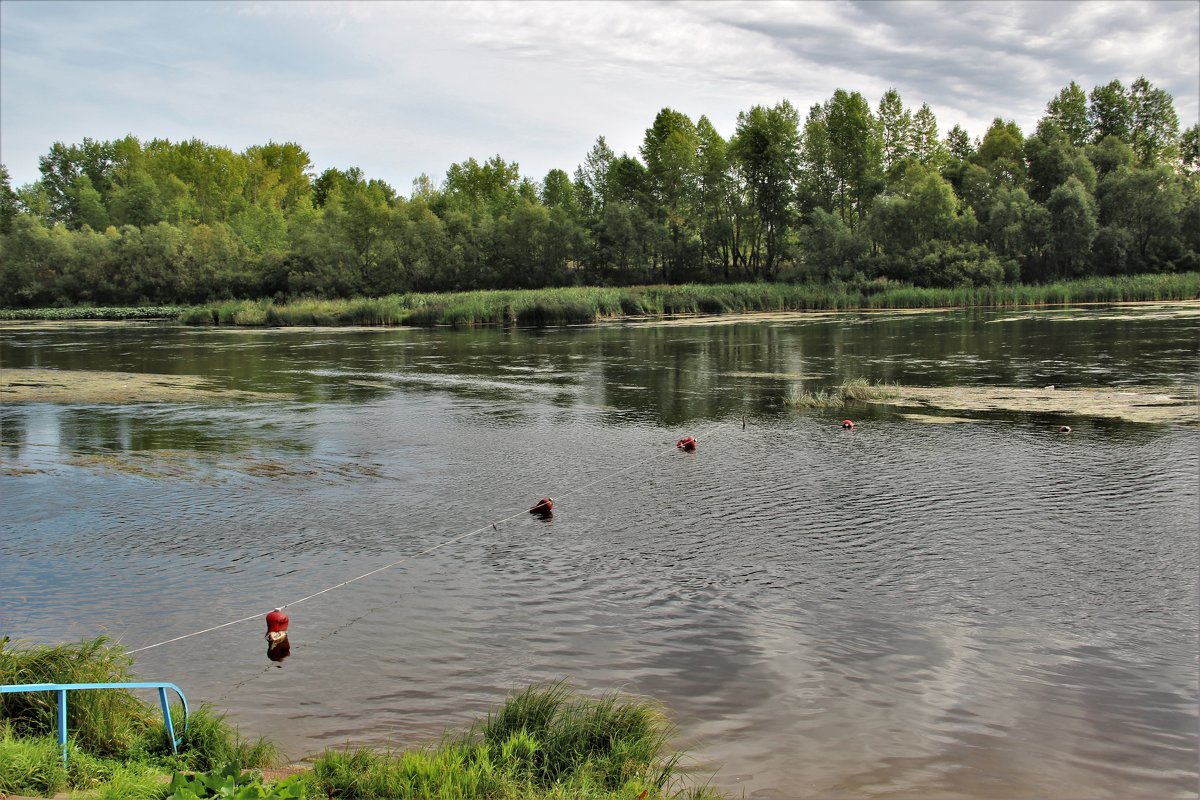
pixel 588 304
pixel 585 305
pixel 854 390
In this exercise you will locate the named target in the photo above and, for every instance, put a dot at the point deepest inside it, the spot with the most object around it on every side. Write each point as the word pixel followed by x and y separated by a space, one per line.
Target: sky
pixel 401 89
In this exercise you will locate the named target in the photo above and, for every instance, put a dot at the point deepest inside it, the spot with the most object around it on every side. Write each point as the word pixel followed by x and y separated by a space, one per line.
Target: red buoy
pixel 687 443
pixel 277 625
pixel 543 507
pixel 847 424
pixel 1064 429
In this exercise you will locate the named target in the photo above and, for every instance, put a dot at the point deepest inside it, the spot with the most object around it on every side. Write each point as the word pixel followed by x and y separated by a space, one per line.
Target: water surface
pixel 902 610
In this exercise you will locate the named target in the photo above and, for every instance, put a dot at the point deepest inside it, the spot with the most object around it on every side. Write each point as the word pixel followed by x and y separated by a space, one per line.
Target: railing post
pixel 62 723
pixel 166 709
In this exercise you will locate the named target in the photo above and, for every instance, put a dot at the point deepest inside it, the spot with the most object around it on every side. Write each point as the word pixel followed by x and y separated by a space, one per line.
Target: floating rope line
pixel 426 551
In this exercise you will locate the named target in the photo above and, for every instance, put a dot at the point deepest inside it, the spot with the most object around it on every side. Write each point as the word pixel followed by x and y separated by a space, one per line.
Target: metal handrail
pixel 63 688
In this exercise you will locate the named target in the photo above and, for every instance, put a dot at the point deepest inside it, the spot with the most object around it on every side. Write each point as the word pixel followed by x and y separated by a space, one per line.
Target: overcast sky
pixel 405 88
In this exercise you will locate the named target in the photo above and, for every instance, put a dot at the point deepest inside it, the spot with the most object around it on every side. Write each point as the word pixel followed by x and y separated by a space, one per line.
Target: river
pixel 902 610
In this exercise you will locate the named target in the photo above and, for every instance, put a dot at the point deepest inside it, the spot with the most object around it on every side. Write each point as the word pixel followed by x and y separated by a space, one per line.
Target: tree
pixel 1052 159
pixel 1155 125
pixel 766 152
pixel 895 129
pixel 1145 202
pixel 716 196
pixel 1002 153
pixel 8 201
pixel 817 183
pixel 958 143
pixel 856 154
pixel 591 178
pixel 1073 227
pixel 918 208
pixel 670 152
pixel 1189 149
pixel 1109 154
pixel 1069 109
pixel 1017 226
pixel 61 170
pixel 924 143
pixel 136 200
pixel 1109 112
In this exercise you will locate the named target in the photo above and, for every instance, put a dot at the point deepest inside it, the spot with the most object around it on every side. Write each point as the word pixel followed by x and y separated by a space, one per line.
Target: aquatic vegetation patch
pixel 1133 404
pixel 35 385
pixel 854 390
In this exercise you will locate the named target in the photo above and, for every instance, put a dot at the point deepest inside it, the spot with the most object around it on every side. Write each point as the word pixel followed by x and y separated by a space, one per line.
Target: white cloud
pixel 405 88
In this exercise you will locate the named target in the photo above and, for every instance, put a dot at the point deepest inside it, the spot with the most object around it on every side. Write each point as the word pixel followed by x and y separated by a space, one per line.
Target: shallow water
pixel 902 610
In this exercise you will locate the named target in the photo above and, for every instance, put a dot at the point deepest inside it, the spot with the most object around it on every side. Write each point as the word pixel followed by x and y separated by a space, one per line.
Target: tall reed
pixel 584 304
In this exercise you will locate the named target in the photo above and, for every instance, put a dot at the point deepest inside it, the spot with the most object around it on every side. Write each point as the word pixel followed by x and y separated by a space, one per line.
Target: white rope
pixel 459 538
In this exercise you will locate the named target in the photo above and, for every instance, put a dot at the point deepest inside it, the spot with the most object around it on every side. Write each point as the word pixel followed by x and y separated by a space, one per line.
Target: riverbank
pixel 541 743
pixel 585 305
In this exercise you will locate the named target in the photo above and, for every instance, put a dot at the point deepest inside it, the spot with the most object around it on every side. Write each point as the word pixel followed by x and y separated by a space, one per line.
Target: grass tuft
pixel 854 390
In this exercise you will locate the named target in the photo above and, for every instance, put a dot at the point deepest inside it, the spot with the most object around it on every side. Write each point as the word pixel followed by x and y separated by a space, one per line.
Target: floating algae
pixel 94 386
pixel 1162 405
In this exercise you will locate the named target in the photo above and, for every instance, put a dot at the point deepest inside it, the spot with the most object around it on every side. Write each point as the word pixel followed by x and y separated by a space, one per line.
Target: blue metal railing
pixel 63 688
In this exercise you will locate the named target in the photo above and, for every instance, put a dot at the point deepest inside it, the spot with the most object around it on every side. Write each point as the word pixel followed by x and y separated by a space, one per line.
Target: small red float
pixel 1064 429
pixel 277 626
pixel 543 507
pixel 847 424
pixel 687 443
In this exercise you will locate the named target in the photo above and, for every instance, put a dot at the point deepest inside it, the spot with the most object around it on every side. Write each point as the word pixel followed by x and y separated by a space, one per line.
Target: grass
pixel 543 743
pixel 117 743
pixel 855 390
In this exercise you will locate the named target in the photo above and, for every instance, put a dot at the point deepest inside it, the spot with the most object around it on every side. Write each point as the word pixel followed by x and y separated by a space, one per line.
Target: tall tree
pixel 895 129
pixel 1052 159
pixel 1073 227
pixel 766 150
pixel 591 178
pixel 1002 152
pixel 716 196
pixel 1069 109
pixel 924 142
pixel 670 151
pixel 856 154
pixel 958 143
pixel 1154 131
pixel 1110 112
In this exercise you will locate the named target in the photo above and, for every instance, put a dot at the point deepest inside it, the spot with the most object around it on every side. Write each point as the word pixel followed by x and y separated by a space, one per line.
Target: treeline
pixel 1105 185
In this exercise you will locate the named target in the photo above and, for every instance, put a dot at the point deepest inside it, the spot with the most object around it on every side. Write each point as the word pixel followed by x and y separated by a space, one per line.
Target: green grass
pixel 115 737
pixel 854 390
pixel 544 742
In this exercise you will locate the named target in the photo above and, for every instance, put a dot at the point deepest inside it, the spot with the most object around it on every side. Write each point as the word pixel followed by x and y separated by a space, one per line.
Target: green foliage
pixel 30 765
pixel 131 223
pixel 230 782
